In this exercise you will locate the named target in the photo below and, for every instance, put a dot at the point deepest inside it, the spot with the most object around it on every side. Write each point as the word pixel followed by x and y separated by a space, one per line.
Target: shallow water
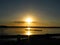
pixel 25 31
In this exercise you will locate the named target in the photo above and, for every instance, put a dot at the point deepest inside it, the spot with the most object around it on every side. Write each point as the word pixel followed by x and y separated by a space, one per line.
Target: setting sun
pixel 28 20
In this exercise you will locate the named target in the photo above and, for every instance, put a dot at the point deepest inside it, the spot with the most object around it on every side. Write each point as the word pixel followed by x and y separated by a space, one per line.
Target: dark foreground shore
pixel 30 40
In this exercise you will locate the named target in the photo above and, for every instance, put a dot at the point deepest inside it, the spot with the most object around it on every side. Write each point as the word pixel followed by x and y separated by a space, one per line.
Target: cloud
pixel 18 22
pixel 21 22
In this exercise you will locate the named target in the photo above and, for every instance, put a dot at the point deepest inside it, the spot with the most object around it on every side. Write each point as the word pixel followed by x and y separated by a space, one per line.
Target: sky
pixel 46 12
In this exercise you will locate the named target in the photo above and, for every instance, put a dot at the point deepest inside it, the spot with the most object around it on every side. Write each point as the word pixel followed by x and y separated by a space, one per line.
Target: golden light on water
pixel 28 32
pixel 28 29
pixel 28 21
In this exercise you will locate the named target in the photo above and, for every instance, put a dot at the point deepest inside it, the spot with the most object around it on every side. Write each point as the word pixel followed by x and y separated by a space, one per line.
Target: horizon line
pixel 4 26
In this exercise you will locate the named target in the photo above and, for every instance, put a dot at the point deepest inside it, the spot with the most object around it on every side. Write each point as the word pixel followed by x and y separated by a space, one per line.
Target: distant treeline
pixel 29 27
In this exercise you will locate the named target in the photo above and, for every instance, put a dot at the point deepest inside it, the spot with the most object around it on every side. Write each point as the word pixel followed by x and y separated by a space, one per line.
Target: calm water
pixel 26 31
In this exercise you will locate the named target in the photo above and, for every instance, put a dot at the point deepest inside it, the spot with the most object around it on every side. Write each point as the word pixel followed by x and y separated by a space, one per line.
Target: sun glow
pixel 28 20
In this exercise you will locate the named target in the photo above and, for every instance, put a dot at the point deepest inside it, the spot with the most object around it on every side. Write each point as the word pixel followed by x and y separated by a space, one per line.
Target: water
pixel 31 31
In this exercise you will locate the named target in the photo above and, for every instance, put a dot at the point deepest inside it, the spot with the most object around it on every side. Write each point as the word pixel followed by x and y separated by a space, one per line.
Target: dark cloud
pixel 21 22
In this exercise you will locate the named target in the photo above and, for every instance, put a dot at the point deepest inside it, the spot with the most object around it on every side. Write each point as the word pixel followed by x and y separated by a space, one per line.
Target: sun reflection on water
pixel 28 21
pixel 28 32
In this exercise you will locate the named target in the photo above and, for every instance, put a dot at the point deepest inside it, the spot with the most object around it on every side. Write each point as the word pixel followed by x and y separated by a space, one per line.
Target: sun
pixel 28 20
